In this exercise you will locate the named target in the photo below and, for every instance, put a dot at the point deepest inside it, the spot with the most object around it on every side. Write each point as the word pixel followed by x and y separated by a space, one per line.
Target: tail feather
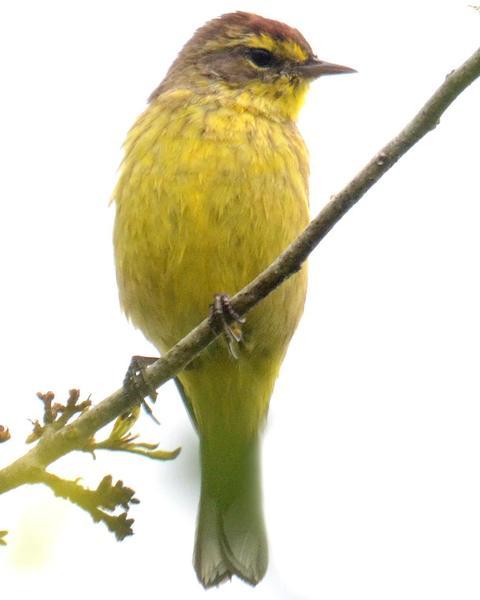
pixel 231 538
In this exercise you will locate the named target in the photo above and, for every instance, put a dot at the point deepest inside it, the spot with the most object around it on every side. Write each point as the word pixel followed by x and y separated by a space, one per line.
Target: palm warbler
pixel 214 185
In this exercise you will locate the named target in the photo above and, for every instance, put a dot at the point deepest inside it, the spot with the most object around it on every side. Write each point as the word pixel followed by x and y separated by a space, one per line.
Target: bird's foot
pixel 136 385
pixel 224 319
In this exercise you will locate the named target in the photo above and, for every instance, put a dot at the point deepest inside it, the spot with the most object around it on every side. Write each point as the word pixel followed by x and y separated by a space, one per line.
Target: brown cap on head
pixel 237 23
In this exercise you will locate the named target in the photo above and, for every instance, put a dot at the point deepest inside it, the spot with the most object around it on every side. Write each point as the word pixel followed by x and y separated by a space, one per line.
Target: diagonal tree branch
pixel 55 443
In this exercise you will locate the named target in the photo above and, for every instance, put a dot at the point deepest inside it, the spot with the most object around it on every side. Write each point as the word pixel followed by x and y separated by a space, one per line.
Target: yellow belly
pixel 207 198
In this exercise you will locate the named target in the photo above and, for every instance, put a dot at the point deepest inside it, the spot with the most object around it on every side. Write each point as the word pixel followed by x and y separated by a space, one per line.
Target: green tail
pixel 231 538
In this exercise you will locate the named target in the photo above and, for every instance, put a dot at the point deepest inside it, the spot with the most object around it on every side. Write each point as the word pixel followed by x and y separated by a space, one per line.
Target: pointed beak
pixel 315 68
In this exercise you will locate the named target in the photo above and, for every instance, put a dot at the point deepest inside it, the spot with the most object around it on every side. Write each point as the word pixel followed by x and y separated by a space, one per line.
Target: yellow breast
pixel 209 194
pixel 207 197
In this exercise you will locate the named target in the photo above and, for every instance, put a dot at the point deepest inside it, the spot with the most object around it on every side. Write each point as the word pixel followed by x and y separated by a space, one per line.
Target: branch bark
pixel 56 443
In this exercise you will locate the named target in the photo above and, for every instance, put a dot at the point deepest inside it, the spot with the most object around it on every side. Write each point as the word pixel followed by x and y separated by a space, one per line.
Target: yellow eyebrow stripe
pixel 287 49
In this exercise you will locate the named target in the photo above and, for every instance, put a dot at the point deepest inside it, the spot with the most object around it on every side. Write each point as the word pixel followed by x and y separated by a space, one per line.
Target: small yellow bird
pixel 213 186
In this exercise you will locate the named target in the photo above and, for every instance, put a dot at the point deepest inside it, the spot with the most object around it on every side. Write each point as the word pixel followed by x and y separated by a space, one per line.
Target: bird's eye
pixel 261 57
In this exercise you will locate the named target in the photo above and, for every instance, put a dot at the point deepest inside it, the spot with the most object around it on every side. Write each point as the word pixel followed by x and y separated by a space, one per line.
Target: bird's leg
pixel 223 319
pixel 135 384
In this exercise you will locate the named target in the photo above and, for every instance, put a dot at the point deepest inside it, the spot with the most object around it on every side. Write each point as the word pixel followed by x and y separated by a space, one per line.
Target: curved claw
pixel 224 319
pixel 135 383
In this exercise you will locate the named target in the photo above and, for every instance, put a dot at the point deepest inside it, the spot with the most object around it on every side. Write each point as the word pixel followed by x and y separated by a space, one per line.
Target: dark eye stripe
pixel 261 57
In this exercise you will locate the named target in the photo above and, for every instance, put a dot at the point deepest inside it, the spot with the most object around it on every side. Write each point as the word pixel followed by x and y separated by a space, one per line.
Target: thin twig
pixel 54 444
pixel 106 497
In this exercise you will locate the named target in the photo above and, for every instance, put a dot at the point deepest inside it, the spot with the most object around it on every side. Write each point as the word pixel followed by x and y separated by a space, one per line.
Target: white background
pixel 372 451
